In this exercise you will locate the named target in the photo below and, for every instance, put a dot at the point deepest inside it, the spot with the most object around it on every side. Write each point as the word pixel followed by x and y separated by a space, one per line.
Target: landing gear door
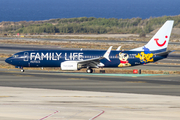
pixel 26 56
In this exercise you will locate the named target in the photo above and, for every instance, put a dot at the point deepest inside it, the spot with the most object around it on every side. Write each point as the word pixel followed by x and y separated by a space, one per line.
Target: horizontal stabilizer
pixel 163 53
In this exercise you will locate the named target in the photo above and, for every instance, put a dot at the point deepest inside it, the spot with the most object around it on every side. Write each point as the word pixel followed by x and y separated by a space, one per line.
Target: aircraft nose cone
pixel 8 60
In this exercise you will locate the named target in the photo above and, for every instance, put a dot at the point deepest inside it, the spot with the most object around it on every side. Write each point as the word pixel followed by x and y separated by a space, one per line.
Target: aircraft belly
pixel 119 63
pixel 44 64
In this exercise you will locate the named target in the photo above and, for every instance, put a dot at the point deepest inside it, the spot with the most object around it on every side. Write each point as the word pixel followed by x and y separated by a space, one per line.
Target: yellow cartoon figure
pixel 149 57
pixel 145 57
pixel 123 60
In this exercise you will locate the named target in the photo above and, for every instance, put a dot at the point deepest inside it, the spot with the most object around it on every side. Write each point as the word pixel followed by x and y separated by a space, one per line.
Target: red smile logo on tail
pixel 160 45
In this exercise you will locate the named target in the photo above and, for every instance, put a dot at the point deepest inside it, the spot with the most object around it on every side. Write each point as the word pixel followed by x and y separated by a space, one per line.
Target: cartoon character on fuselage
pixel 153 51
pixel 123 60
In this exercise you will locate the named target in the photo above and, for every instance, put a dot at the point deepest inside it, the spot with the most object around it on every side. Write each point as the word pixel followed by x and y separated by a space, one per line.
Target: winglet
pixel 118 49
pixel 106 55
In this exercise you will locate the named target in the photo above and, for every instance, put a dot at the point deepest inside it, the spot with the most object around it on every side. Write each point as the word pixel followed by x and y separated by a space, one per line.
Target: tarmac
pixel 46 104
pixel 51 95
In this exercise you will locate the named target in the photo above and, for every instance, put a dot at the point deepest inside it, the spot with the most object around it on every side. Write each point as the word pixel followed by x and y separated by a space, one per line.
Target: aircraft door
pixel 26 55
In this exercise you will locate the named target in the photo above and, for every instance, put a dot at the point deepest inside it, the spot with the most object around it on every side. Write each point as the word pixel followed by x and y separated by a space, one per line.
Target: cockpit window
pixel 15 56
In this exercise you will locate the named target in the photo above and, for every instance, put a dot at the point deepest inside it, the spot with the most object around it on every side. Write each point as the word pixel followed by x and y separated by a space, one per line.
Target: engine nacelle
pixel 69 65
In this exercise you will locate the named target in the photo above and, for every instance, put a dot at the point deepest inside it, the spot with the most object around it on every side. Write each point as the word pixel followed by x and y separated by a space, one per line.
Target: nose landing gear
pixel 20 67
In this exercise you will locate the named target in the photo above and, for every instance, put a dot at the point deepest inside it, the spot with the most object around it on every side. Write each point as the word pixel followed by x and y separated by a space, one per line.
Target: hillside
pixel 89 25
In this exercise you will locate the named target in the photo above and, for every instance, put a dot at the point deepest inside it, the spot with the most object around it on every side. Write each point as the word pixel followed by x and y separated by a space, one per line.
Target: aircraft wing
pixel 95 62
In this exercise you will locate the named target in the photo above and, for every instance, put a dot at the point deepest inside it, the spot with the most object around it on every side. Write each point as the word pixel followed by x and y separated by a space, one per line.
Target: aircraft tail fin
pixel 160 40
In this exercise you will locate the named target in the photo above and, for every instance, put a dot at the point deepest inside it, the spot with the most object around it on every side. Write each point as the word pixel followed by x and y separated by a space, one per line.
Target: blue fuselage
pixel 54 58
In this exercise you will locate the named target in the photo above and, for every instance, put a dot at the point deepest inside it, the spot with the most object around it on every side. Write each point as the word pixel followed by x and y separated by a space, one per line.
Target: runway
pixel 148 84
pixel 83 40
pixel 116 87
pixel 49 95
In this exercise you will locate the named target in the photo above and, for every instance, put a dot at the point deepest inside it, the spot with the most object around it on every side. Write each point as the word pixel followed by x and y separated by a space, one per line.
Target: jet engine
pixel 70 65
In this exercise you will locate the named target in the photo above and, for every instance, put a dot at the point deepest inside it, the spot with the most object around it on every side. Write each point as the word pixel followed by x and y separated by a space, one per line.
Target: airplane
pixel 154 50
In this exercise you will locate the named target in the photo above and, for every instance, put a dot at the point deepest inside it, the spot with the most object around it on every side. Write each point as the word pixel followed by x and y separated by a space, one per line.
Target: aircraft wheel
pixel 22 70
pixel 89 70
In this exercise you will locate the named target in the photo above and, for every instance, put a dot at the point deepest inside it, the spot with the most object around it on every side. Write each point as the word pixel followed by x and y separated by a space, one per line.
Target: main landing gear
pixel 89 70
pixel 22 70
